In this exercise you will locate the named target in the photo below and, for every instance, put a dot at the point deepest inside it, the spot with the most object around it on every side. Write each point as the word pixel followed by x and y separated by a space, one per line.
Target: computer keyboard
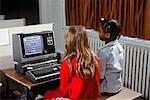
pixel 50 72
pixel 40 64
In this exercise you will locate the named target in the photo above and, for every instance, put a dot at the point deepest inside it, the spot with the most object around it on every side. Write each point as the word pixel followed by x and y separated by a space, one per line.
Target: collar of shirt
pixel 110 44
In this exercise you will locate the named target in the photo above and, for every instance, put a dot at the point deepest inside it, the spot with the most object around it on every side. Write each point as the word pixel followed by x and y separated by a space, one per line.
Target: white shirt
pixel 111 60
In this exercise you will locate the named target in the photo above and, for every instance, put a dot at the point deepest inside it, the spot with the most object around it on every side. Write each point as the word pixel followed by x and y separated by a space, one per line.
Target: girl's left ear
pixel 107 35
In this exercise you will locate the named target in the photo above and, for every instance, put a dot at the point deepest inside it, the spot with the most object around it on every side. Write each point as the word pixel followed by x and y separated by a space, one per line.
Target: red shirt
pixel 75 87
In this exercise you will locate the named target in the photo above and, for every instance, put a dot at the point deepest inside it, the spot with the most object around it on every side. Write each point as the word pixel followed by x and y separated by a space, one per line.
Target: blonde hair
pixel 76 43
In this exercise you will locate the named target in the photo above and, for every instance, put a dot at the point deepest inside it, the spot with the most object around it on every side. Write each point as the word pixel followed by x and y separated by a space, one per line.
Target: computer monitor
pixel 33 46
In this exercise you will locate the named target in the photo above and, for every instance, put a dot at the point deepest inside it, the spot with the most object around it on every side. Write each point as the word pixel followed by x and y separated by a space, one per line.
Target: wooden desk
pixel 21 79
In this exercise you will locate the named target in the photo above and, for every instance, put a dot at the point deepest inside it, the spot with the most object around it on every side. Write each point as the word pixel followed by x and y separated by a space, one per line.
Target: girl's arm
pixel 64 78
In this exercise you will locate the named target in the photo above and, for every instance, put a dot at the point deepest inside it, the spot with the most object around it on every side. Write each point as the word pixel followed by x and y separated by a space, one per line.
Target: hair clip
pixel 103 20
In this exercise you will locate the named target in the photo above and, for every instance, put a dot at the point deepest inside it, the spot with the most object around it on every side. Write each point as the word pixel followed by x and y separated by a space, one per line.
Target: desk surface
pixel 22 79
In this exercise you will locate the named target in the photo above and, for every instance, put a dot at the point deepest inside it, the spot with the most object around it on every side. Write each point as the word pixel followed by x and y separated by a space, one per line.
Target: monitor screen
pixel 33 45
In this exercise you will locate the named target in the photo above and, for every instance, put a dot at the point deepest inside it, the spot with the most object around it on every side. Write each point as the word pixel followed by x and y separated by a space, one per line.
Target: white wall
pixel 6 53
pixel 2 17
pixel 53 11
pixel 12 23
